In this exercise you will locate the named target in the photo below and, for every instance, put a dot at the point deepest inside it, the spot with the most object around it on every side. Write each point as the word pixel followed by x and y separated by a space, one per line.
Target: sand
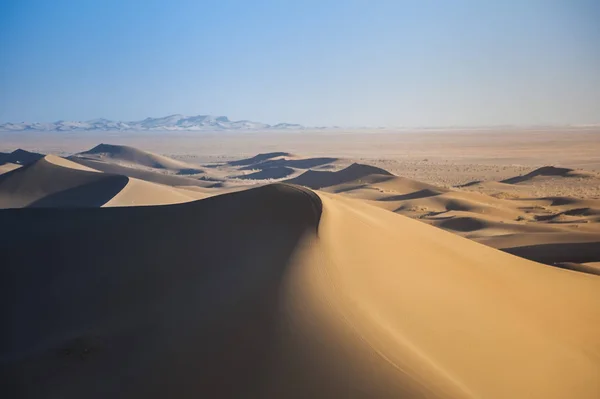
pixel 323 296
pixel 351 282
pixel 57 182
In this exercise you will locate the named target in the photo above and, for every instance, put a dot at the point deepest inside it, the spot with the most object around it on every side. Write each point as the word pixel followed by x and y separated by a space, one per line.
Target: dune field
pixel 130 274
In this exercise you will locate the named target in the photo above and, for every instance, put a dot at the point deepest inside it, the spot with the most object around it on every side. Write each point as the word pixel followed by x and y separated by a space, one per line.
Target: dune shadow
pixel 89 195
pixel 170 298
pixel 154 177
pixel 258 158
pixel 550 254
pixel 543 171
pixel 292 163
pixel 268 173
pixel 189 171
pixel 425 193
pixel 462 224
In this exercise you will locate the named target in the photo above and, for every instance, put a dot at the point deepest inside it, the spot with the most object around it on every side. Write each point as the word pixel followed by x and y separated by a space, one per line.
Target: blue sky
pixel 350 63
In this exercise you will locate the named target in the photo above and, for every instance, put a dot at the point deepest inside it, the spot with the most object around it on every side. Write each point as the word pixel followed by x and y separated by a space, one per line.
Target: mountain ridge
pixel 169 122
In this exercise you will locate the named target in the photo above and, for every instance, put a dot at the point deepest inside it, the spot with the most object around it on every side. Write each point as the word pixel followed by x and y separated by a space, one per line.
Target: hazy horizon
pixel 336 63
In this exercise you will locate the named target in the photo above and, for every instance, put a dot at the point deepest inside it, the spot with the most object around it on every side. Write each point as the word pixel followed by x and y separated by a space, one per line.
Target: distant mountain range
pixel 171 122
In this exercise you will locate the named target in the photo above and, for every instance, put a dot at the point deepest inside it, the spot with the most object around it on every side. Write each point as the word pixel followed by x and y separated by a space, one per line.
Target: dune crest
pixel 321 179
pixel 57 182
pixel 329 297
pixel 134 156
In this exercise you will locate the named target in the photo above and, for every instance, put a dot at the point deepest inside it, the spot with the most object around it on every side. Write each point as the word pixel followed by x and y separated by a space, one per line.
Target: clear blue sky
pixel 373 63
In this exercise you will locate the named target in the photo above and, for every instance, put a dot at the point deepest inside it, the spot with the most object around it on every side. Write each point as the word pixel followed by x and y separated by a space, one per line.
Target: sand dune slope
pixel 56 182
pixel 20 157
pixel 551 230
pixel 147 175
pixel 320 179
pixel 134 156
pixel 46 183
pixel 7 167
pixel 308 296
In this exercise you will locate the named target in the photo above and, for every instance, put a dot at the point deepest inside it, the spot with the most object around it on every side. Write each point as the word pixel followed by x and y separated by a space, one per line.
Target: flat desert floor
pixel 321 264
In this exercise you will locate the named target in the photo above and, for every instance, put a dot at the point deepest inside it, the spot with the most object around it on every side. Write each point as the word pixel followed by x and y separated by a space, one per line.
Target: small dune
pixel 303 163
pixel 147 175
pixel 322 179
pixel 54 182
pixel 259 158
pixel 276 172
pixel 20 157
pixel 547 171
pixel 134 156
pixel 45 183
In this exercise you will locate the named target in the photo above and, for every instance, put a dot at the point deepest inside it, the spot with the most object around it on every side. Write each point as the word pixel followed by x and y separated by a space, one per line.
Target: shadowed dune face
pixel 259 158
pixel 318 179
pixel 172 299
pixel 546 171
pixel 292 163
pixel 46 184
pixel 57 182
pixel 268 173
pixel 169 180
pixel 578 252
pixel 20 157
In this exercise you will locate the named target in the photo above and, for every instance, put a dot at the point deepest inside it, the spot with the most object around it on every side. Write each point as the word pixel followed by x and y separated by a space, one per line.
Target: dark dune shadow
pixel 154 177
pixel 42 183
pixel 268 173
pixel 416 195
pixel 93 194
pixel 462 224
pixel 189 171
pixel 469 184
pixel 560 201
pixel 258 158
pixel 578 267
pixel 152 302
pixel 20 157
pixel 292 163
pixel 543 171
pixel 559 252
pixel 321 179
pixel 582 212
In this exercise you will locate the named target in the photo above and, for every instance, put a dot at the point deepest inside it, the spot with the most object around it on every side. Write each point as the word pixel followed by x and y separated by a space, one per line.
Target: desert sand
pixel 294 275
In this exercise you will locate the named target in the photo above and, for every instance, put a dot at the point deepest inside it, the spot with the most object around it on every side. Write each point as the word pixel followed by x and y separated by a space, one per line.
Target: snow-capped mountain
pixel 171 122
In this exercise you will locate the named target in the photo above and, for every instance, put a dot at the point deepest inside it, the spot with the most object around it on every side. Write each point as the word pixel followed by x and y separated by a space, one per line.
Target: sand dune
pixel 321 179
pixel 308 296
pixel 547 181
pixel 260 158
pixel 7 167
pixel 20 157
pixel 476 215
pixel 147 175
pixel 56 182
pixel 548 171
pixel 46 184
pixel 299 163
pixel 134 156
pixel 276 172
